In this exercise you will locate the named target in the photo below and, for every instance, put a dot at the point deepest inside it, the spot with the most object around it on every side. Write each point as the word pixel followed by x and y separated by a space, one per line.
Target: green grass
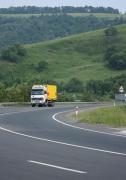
pixel 114 116
pixel 98 15
pixel 79 56
pixel 19 15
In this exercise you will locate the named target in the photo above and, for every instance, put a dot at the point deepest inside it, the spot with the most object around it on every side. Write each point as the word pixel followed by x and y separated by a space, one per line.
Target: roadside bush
pixel 65 97
pixel 2 92
pixel 87 97
pixel 74 85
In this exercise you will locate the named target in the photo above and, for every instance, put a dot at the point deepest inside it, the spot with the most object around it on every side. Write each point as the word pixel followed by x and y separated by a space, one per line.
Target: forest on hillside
pixel 27 30
pixel 63 9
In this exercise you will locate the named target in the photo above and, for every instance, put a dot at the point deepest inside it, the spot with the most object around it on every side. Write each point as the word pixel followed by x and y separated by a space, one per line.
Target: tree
pixel 115 59
pixel 74 85
pixel 42 65
pixel 13 53
pixel 2 92
pixel 21 51
pixel 109 52
pixel 110 32
pixel 18 93
pixel 65 97
pixel 64 9
pixel 87 97
pixel 99 88
pixel 10 55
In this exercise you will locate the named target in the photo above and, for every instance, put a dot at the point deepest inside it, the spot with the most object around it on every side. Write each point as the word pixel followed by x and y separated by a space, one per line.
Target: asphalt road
pixel 35 145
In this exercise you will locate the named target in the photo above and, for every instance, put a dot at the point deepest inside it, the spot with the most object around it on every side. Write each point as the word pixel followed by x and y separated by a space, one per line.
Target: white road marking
pixel 30 110
pixel 62 143
pixel 18 112
pixel 57 167
pixel 85 129
pixel 122 132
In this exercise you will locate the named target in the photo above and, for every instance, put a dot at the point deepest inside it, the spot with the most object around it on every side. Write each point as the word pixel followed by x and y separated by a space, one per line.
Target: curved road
pixel 38 144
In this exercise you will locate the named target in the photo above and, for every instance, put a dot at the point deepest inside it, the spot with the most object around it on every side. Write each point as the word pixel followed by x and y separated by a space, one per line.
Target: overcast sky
pixel 120 4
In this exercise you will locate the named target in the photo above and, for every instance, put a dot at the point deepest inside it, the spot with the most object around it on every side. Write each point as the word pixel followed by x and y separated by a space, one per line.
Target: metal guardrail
pixel 19 106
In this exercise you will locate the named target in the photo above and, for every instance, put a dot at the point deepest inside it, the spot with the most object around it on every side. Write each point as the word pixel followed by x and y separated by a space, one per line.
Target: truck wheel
pixel 33 105
pixel 51 104
pixel 45 104
pixel 40 105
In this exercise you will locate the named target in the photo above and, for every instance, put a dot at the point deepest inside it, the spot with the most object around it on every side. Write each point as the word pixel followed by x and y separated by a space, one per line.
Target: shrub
pixel 74 85
pixel 42 65
pixel 114 58
pixel 117 61
pixel 13 54
pixel 110 32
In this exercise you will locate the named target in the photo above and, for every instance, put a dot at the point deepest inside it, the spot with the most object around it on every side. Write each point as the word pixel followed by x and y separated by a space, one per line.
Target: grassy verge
pixel 114 116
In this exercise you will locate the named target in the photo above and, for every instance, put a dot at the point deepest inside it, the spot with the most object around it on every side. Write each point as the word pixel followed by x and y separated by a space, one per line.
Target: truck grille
pixel 37 99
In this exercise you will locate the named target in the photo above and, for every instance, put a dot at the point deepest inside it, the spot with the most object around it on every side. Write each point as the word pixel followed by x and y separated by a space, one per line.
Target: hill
pixel 97 15
pixel 29 28
pixel 79 56
pixel 61 9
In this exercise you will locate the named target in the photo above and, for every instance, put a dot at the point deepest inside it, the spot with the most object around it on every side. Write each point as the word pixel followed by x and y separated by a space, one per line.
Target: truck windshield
pixel 37 92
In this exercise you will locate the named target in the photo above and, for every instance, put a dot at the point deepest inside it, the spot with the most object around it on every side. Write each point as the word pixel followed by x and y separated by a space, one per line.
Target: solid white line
pixel 84 129
pixel 62 143
pixel 57 167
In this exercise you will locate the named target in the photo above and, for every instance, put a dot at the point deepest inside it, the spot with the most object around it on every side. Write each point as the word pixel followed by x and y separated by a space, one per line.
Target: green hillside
pixel 78 56
pixel 28 29
pixel 98 15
